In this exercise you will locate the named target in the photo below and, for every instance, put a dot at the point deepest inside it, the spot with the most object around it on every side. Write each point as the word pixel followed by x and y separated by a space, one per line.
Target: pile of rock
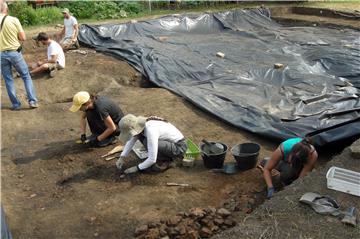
pixel 197 223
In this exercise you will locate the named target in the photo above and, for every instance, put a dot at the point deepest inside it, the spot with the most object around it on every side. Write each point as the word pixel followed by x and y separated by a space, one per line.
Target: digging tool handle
pixel 178 184
pixel 207 142
pixel 209 145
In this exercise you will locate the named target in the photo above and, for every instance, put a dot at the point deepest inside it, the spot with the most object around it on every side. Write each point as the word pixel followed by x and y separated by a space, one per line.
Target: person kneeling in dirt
pixel 55 56
pixel 69 32
pixel 294 158
pixel 163 141
pixel 103 117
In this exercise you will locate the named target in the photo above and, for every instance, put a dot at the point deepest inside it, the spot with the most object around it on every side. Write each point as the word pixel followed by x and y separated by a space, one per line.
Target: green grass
pixel 52 16
pixel 145 14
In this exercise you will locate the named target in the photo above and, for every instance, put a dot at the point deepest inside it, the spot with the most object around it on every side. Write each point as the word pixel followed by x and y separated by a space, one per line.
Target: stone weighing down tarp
pixel 316 93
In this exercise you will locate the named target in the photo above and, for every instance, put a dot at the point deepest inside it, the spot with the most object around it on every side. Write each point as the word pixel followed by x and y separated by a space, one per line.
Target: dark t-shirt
pixel 105 107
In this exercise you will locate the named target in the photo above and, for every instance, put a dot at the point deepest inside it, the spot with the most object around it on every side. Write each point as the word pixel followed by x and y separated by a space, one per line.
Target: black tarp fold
pixel 316 92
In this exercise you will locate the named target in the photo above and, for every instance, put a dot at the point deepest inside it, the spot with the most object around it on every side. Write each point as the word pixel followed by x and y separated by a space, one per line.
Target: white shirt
pixel 69 26
pixel 55 49
pixel 154 131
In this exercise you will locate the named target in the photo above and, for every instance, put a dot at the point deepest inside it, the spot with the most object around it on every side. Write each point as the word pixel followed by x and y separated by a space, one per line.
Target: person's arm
pixel 21 36
pixel 271 164
pixel 62 32
pixel 110 128
pixel 310 164
pixel 75 32
pixel 152 137
pixel 128 146
pixel 83 123
pixel 53 59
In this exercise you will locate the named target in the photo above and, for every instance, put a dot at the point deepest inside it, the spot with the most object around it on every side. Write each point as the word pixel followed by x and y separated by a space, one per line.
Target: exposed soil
pixel 55 188
pixel 299 16
pixel 285 217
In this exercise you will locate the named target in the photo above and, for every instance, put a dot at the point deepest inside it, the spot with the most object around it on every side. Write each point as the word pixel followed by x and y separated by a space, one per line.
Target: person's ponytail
pixel 307 140
pixel 93 97
pixel 156 118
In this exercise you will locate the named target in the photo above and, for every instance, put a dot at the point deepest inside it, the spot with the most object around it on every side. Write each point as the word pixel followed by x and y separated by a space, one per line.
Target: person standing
pixel 5 232
pixel 55 56
pixel 69 32
pixel 103 116
pixel 11 36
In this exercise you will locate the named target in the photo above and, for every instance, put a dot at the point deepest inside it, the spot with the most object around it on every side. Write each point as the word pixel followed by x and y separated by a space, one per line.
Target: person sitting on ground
pixel 69 32
pixel 103 117
pixel 294 158
pixel 163 141
pixel 55 56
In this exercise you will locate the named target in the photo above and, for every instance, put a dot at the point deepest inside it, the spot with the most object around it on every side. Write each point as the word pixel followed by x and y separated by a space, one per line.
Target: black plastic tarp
pixel 315 93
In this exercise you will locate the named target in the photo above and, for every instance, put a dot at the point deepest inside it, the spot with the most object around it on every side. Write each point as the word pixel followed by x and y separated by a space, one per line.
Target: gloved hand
pixel 120 163
pixel 270 192
pixel 94 142
pixel 83 138
pixel 131 170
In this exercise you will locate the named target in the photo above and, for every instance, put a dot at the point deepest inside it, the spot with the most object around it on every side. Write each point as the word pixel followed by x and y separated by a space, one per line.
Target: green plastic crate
pixel 192 151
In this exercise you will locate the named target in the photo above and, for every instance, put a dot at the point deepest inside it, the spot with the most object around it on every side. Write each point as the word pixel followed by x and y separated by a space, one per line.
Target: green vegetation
pixel 100 10
pixel 103 9
pixel 29 16
pixel 84 9
pixel 91 11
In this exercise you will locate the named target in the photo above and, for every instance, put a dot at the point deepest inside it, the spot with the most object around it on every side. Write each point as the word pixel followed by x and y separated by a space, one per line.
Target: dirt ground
pixel 55 188
pixel 285 217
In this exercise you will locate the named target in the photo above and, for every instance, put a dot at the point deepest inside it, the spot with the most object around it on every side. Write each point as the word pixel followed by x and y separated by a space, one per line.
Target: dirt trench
pixel 54 188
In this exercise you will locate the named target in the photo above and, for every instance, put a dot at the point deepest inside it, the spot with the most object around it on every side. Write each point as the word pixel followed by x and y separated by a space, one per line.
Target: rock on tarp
pixel 315 93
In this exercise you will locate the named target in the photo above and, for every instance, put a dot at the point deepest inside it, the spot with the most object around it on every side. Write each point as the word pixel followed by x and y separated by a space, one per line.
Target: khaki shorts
pixel 67 42
pixel 52 66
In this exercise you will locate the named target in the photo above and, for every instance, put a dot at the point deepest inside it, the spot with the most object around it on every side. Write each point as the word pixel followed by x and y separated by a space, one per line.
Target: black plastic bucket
pixel 213 160
pixel 246 155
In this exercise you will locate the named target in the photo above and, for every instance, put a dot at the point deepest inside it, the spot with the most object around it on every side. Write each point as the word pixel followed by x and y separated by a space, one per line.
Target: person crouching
pixel 103 116
pixel 293 158
pixel 162 140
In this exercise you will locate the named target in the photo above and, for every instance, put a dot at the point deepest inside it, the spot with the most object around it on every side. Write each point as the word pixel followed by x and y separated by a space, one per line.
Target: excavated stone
pixel 141 230
pixel 219 221
pixel 223 212
pixel 153 233
pixel 197 212
pixel 173 221
pixel 355 149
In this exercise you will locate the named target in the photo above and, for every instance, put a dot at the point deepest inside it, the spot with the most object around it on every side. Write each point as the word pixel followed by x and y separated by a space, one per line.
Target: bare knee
pixel 45 66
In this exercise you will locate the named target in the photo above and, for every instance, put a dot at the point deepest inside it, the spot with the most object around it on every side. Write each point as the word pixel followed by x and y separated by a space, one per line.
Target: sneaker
pixel 114 140
pixel 17 108
pixel 52 73
pixel 77 45
pixel 33 105
pixel 156 168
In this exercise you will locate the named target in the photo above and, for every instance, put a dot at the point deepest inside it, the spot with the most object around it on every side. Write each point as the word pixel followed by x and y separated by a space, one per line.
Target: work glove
pixel 120 163
pixel 131 170
pixel 270 192
pixel 83 138
pixel 94 142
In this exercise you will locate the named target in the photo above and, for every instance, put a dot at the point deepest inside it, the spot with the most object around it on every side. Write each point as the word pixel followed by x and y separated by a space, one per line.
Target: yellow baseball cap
pixel 79 99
